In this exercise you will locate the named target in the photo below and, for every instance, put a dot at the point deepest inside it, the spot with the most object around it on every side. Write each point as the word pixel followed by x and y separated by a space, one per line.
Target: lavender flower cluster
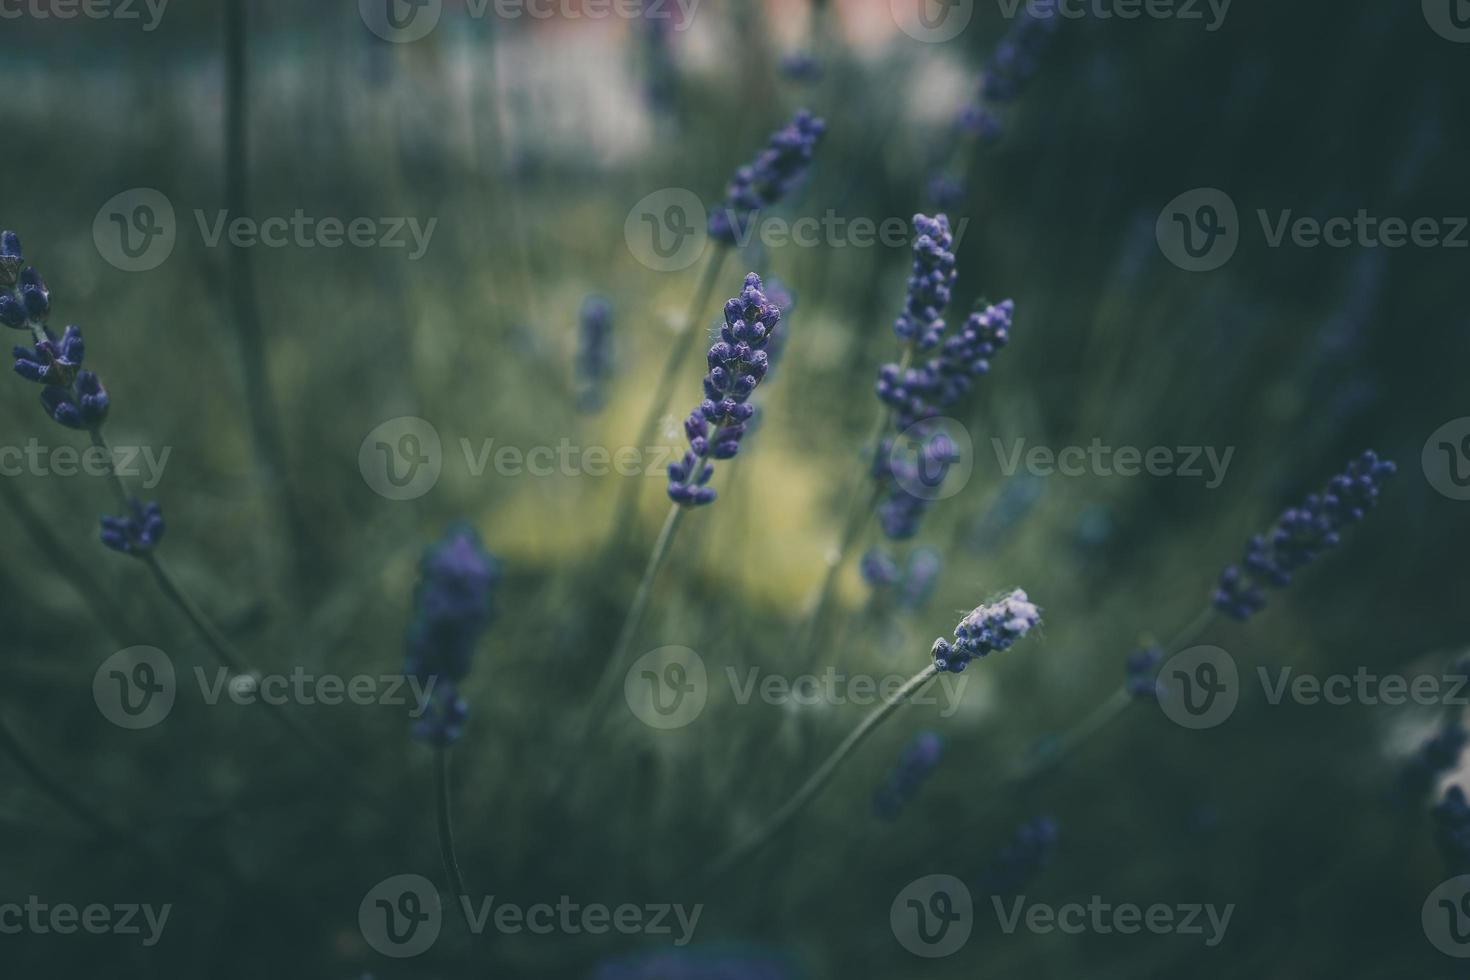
pixel 452 608
pixel 594 364
pixel 930 284
pixel 924 391
pixel 911 584
pixel 737 363
pixel 917 762
pixel 763 183
pixel 1012 65
pixel 1142 673
pixel 990 627
pixel 1301 535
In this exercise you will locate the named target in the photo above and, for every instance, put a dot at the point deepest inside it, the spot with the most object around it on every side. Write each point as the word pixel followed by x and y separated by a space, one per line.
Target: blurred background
pixel 515 166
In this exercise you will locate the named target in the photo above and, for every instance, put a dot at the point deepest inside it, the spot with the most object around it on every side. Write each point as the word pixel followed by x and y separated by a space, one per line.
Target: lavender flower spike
pixel 993 626
pixel 136 533
pixel 918 761
pixel 453 602
pixel 1301 535
pixel 737 363
pixel 930 284
pixel 769 178
pixel 594 354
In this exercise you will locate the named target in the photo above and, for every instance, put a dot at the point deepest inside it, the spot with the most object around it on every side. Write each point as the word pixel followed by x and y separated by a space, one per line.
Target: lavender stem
pixel 824 772
pixel 683 341
pixel 446 832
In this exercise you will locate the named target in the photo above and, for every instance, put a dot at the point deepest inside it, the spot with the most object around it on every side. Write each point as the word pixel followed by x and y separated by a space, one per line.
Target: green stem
pixel 446 832
pixel 607 684
pixel 824 772
pixel 683 342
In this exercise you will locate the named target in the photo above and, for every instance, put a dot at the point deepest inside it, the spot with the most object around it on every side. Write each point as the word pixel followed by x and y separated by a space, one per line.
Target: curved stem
pixel 607 683
pixel 623 514
pixel 824 772
pixel 446 832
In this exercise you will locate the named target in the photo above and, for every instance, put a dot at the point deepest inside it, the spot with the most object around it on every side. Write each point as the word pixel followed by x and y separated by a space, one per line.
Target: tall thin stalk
pixel 683 342
pixel 446 832
pixel 824 773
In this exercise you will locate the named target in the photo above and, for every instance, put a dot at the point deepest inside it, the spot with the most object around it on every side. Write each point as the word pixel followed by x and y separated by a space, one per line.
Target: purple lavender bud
pixel 930 283
pixel 1301 535
pixel 34 295
pixel 927 390
pixel 453 607
pixel 994 626
pixel 1020 860
pixel 594 362
pixel 919 759
pixel 920 577
pixel 136 533
pixel 1142 670
pixel 773 174
pixel 878 568
pixel 737 363
pixel 12 311
pixel 946 192
pixel 1452 830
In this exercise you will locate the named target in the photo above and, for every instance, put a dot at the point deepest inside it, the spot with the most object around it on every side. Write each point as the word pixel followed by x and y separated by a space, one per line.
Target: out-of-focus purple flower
pixel 136 533
pixel 1142 669
pixel 924 469
pixel 946 192
pixel 920 576
pixel 763 183
pixel 919 759
pixel 1301 535
pixel 981 122
pixel 1452 830
pixel 1020 860
pixel 1011 66
pixel 878 568
pixel 930 283
pixel 452 608
pixel 801 66
pixel 737 363
pixel 594 364
pixel 990 627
